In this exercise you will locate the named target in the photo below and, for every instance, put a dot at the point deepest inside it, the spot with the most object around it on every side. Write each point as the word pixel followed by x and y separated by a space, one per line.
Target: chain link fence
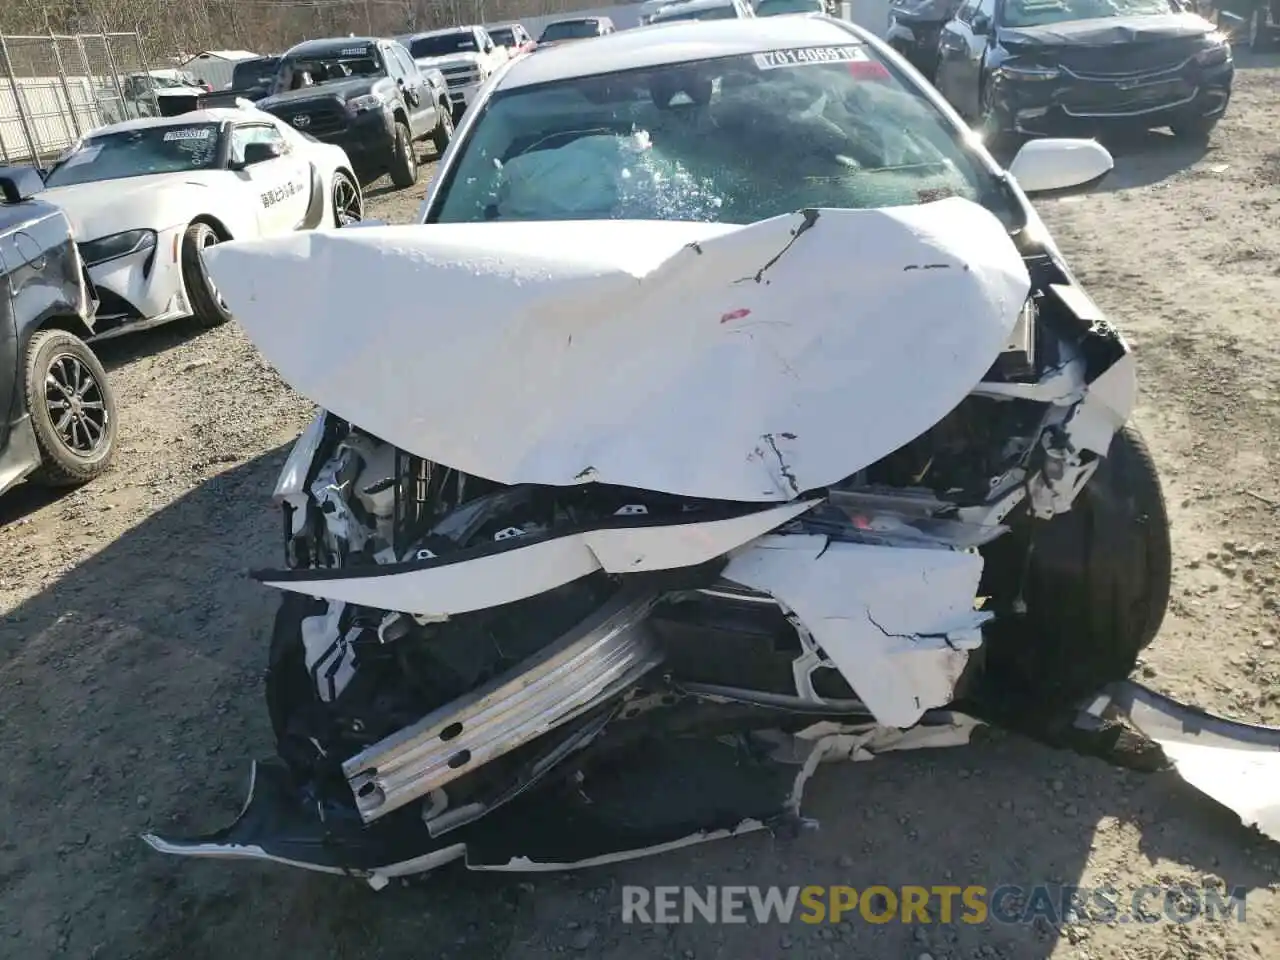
pixel 54 89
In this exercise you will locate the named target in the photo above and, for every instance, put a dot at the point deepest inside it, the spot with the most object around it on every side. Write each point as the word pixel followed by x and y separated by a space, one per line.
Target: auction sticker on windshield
pixel 188 133
pixel 809 56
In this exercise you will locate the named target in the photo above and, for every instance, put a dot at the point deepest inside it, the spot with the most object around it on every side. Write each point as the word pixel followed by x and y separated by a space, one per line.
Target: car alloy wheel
pixel 348 205
pixel 76 405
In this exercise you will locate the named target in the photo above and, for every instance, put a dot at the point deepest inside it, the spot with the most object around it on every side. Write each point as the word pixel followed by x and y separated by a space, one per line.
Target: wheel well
pixel 351 176
pixel 401 116
pixel 223 233
pixel 68 322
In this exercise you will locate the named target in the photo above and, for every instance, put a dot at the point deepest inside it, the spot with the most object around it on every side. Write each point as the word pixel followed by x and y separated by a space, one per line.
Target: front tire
pixel 1096 587
pixel 1194 129
pixel 404 163
pixel 996 133
pixel 348 202
pixel 207 306
pixel 443 132
pixel 72 409
pixel 1260 40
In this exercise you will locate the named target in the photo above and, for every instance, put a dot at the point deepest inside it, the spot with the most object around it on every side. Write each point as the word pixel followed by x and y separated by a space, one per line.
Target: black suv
pixel 367 96
pixel 59 415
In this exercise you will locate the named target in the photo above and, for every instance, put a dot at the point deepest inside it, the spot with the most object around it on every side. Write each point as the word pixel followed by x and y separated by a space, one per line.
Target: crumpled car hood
pixel 707 360
pixel 1106 31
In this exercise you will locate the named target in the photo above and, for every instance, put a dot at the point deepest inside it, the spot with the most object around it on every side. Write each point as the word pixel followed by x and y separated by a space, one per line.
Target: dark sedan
pixel 1041 67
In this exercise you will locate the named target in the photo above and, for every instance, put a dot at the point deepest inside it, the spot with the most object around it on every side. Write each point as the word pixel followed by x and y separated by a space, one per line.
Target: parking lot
pixel 133 643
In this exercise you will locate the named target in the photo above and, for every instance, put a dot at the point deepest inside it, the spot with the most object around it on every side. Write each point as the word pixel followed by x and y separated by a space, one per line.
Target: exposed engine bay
pixel 508 672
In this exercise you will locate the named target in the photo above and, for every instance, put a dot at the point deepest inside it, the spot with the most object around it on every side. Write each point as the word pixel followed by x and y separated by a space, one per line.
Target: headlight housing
pixel 367 101
pixel 1028 71
pixel 94 252
pixel 1218 50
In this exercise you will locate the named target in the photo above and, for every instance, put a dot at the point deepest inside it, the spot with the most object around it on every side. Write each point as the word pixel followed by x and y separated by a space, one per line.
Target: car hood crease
pixel 102 207
pixel 737 363
pixel 1107 31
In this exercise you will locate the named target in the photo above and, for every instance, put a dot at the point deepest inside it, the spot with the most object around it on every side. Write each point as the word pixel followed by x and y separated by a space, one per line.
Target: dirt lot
pixel 132 645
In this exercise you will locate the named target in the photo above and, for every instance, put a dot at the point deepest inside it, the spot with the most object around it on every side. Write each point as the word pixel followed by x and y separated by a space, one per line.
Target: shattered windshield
pixel 443 44
pixel 570 30
pixel 1037 13
pixel 138 153
pixel 735 140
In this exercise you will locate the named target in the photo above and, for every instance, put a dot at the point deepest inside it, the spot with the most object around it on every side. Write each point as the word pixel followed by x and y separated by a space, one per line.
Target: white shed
pixel 215 66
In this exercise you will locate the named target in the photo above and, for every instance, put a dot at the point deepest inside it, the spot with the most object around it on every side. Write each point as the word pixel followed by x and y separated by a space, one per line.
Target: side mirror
pixel 20 183
pixel 980 24
pixel 258 153
pixel 1042 166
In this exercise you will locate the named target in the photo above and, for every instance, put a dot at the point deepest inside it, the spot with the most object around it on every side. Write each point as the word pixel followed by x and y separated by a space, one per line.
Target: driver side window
pixel 255 133
pixel 401 56
pixel 395 69
pixel 966 11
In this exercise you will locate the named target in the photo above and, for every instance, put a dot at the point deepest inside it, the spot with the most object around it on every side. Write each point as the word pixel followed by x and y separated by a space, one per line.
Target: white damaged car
pixel 754 421
pixel 148 197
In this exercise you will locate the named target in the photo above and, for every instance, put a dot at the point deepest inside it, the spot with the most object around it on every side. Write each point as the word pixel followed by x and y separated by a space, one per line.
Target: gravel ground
pixel 132 647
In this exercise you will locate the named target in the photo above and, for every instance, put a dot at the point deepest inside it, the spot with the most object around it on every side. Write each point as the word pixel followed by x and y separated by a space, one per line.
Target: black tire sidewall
pixel 205 307
pixel 443 132
pixel 338 177
pixel 1096 588
pixel 1197 129
pixel 403 167
pixel 60 466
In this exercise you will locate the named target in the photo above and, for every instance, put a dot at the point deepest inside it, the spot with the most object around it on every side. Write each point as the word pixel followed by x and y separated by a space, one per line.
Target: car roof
pixel 310 48
pixel 444 32
pixel 678 42
pixel 212 115
pixel 677 6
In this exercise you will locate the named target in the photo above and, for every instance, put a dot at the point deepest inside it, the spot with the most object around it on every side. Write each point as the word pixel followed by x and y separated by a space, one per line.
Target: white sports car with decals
pixel 147 197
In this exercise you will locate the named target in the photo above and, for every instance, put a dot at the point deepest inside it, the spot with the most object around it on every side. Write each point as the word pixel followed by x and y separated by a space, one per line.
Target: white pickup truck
pixel 465 55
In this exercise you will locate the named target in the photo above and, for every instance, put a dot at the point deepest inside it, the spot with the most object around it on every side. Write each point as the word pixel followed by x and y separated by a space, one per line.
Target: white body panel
pixel 527 571
pixel 733 363
pixel 897 622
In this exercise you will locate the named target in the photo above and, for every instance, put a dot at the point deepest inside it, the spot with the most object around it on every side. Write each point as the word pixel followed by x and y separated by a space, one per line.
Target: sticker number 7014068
pixel 809 56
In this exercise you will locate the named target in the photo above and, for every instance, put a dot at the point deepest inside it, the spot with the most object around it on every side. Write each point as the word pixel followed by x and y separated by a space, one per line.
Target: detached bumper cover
pixel 684 792
pixel 1236 764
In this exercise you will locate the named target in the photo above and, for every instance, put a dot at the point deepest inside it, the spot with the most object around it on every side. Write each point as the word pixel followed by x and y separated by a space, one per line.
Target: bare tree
pixel 173 28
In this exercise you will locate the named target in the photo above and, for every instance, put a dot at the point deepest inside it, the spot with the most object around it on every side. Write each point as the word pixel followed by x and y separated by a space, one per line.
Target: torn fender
pixel 897 622
pixel 733 363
